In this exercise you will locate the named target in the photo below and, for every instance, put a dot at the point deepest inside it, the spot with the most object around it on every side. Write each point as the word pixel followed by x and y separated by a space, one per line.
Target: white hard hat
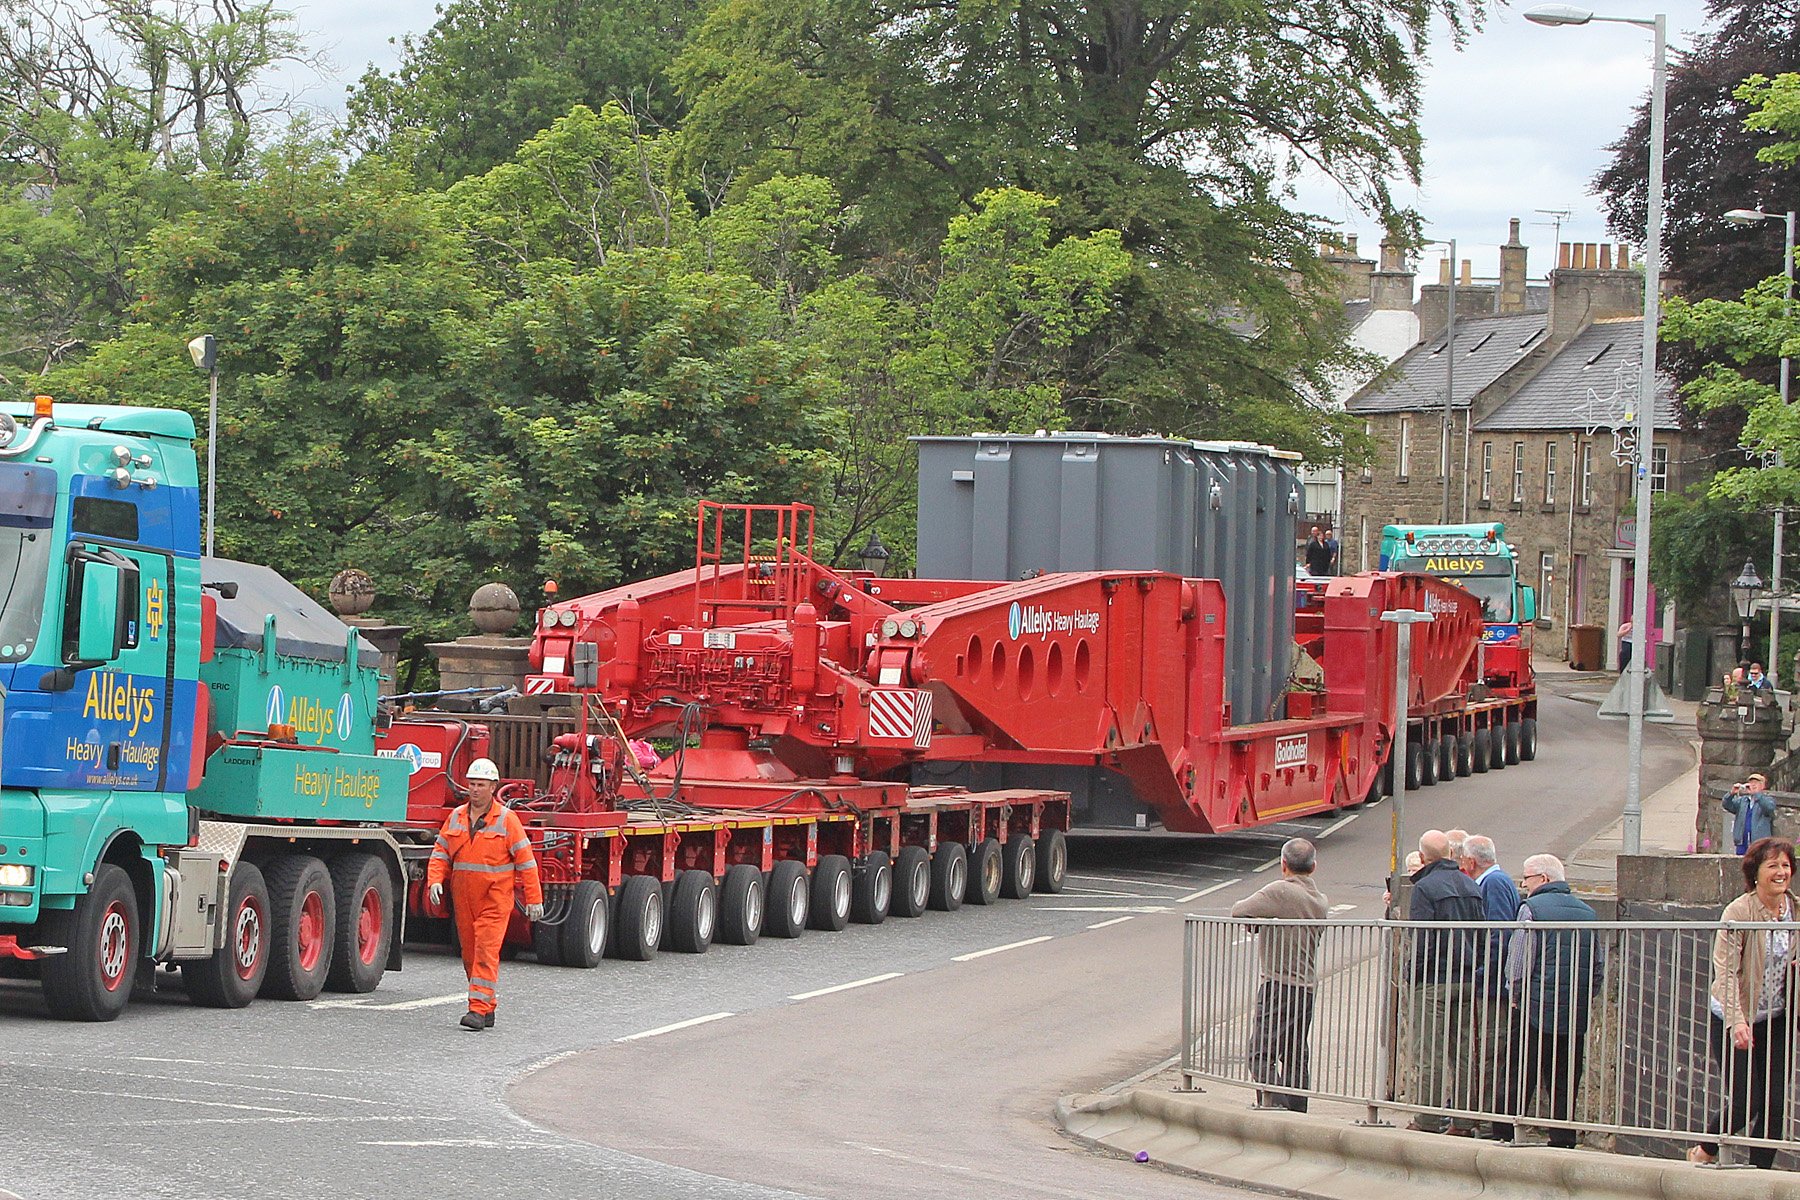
pixel 484 768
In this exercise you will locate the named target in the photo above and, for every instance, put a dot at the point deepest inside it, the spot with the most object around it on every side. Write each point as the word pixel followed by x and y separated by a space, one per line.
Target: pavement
pixel 1333 1152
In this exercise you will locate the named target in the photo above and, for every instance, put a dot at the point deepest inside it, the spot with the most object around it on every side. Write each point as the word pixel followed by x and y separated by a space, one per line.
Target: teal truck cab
pixel 187 764
pixel 1478 559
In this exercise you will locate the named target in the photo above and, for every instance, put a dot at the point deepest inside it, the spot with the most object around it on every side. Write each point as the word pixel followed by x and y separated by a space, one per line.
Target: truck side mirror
pixel 99 637
pixel 1527 605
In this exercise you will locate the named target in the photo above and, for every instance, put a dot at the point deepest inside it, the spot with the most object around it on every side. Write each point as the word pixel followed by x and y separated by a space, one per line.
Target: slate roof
pixel 1486 347
pixel 1590 383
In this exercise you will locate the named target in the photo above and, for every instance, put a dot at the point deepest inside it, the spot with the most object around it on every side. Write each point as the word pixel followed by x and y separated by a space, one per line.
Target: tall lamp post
pixel 1744 591
pixel 1568 14
pixel 1755 216
pixel 204 350
pixel 1449 377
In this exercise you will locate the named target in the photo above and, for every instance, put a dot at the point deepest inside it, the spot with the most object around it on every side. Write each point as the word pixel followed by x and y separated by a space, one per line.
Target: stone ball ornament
pixel 494 608
pixel 352 592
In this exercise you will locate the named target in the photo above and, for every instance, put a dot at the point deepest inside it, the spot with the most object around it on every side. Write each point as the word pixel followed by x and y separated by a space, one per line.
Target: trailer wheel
pixel 302 918
pixel 92 981
pixel 831 893
pixel 1497 746
pixel 873 894
pixel 949 876
pixel 1446 757
pixel 546 941
pixel 741 905
pixel 365 922
pixel 232 976
pixel 1483 751
pixel 986 873
pixel 1019 867
pixel 694 915
pixel 1528 739
pixel 1415 766
pixel 1512 743
pixel 581 938
pixel 784 916
pixel 638 928
pixel 1465 755
pixel 1052 862
pixel 912 882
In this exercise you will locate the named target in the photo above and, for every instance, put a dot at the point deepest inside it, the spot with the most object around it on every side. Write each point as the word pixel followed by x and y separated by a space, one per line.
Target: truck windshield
pixel 27 515
pixel 1494 592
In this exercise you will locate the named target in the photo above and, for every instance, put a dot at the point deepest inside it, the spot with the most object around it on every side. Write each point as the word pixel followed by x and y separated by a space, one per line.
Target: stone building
pixel 1538 424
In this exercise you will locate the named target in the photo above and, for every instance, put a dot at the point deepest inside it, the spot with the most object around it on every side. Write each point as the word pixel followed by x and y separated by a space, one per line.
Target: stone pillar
pixel 352 592
pixel 1736 738
pixel 487 659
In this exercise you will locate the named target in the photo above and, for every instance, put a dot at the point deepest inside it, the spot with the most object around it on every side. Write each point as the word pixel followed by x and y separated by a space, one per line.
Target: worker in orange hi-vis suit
pixel 484 853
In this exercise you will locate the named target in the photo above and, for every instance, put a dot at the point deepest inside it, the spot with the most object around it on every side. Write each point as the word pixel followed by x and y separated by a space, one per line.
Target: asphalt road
pixel 932 1075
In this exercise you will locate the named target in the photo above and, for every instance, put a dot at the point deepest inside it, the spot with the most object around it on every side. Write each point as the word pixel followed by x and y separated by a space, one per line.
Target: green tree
pixel 1697 541
pixel 492 73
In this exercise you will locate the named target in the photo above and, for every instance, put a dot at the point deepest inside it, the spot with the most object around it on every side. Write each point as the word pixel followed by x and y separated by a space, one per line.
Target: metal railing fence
pixel 1605 1027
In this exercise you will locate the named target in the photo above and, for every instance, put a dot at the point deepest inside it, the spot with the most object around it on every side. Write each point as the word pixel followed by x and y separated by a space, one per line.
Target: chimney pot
pixel 1444 271
pixel 1512 233
pixel 1606 256
pixel 1562 255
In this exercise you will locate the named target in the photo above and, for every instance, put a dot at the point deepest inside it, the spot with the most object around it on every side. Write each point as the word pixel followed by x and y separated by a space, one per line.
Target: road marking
pixel 1268 866
pixel 1098 908
pixel 401 1006
pixel 1207 891
pixel 1174 887
pixel 1105 894
pixel 255 1108
pixel 1337 908
pixel 1334 827
pixel 844 987
pixel 471 1143
pixel 1104 924
pixel 974 954
pixel 201 1062
pixel 924 1162
pixel 687 1024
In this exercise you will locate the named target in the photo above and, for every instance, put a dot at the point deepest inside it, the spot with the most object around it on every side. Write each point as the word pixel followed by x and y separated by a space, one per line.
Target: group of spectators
pixel 1496 1019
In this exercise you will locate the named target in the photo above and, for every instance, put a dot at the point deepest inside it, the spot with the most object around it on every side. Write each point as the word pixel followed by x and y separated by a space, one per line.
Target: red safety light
pixel 1410 538
pixel 1490 535
pixel 41 407
pixel 549 587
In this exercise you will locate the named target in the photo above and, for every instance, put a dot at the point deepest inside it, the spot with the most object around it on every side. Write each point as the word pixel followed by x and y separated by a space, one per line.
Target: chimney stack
pixel 1587 287
pixel 1391 286
pixel 1512 272
pixel 1353 273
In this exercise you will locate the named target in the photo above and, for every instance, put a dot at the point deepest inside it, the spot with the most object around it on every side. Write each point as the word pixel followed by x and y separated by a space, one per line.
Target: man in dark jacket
pixel 1554 974
pixel 1443 973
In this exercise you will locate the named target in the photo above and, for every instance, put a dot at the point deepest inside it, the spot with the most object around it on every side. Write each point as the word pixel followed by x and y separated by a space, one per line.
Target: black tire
pixel 912 882
pixel 1483 751
pixel 1428 764
pixel 1052 862
pixel 581 938
pixel 302 920
pixel 1465 755
pixel 1415 766
pixel 873 893
pixel 1446 757
pixel 831 894
pixel 93 980
pixel 788 900
pixel 1512 743
pixel 741 905
pixel 1497 746
pixel 986 873
pixel 1018 861
pixel 233 975
pixel 693 914
pixel 638 921
pixel 364 895
pixel 949 876
pixel 1528 739
pixel 546 941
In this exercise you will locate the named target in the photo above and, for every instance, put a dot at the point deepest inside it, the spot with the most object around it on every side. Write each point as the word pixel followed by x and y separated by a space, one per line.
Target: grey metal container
pixel 1006 505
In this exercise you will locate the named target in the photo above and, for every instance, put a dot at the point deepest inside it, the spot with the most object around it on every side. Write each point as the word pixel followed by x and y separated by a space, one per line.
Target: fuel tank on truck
pixel 1010 506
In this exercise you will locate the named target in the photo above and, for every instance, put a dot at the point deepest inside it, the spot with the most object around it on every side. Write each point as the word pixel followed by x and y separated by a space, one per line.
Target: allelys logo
pixel 114 697
pixel 1028 620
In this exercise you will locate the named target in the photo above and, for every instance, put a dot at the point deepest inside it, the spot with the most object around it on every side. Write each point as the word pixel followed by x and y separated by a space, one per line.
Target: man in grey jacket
pixel 1288 964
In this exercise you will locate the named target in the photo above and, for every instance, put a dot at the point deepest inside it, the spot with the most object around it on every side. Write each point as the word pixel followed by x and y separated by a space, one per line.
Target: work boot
pixel 487 1020
pixel 473 1020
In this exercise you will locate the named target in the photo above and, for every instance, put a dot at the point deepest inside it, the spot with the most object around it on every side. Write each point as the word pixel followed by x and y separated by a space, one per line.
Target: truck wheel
pixel 1528 739
pixel 302 918
pixel 1446 757
pixel 912 882
pixel 1018 860
pixel 92 981
pixel 232 976
pixel 949 876
pixel 1483 753
pixel 1512 743
pixel 638 928
pixel 546 941
pixel 741 905
pixel 831 887
pixel 694 915
pixel 581 938
pixel 1415 766
pixel 784 916
pixel 1497 746
pixel 873 893
pixel 1052 862
pixel 985 873
pixel 1465 755
pixel 364 893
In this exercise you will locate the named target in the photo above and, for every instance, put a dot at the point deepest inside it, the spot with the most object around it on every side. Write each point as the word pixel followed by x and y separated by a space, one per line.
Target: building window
pixel 1546 576
pixel 1549 473
pixel 1368 474
pixel 1405 447
pixel 1587 474
pixel 1518 495
pixel 1659 468
pixel 1487 470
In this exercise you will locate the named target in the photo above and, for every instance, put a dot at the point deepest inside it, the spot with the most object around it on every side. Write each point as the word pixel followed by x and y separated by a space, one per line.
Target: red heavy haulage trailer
pixel 799 698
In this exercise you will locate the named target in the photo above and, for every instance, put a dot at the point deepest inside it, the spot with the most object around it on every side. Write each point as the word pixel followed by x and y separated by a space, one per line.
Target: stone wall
pixel 1736 739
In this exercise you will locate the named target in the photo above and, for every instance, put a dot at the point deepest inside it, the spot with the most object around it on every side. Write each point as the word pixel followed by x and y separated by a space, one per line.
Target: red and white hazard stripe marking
pixel 901 714
pixel 539 685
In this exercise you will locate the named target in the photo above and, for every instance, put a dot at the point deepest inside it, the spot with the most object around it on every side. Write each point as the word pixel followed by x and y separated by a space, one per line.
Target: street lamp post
pixel 204 350
pixel 1754 216
pixel 1744 591
pixel 1566 14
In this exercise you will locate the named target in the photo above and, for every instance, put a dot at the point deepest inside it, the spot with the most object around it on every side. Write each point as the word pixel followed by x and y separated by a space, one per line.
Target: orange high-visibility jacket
pixel 497 847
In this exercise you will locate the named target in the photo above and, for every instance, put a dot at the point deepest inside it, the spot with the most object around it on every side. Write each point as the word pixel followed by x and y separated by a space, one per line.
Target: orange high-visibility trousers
pixel 484 865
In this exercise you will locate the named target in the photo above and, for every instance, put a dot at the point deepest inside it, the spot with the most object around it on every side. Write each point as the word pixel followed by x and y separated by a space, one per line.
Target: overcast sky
pixel 1515 122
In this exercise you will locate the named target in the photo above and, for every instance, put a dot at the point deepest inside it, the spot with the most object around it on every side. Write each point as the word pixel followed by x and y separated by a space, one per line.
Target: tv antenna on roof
pixel 1558 215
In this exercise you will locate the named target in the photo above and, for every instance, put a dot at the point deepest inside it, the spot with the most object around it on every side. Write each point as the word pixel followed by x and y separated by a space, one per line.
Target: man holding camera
pixel 1753 809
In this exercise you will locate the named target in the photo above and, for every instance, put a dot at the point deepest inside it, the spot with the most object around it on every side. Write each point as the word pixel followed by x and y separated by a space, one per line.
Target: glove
pixel 534 912
pixel 436 893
